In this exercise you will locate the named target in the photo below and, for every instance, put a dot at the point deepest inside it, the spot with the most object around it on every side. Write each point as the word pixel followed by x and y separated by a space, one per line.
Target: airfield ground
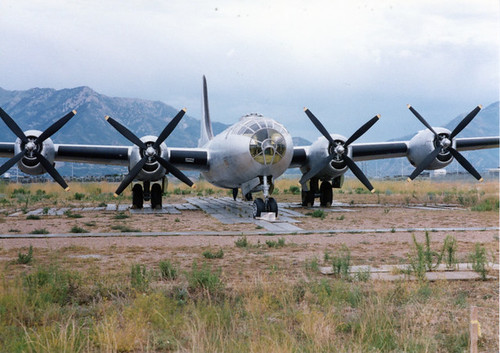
pixel 436 313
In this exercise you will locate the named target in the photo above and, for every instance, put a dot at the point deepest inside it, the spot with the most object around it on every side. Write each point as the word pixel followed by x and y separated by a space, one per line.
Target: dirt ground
pixel 366 248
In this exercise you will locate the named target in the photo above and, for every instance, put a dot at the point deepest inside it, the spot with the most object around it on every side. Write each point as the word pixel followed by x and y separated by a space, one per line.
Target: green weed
pixel 167 270
pixel 25 259
pixel 241 242
pixel 211 255
pixel 40 231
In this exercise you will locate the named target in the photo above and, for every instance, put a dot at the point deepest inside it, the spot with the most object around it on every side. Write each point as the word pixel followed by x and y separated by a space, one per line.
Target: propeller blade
pixel 466 121
pixel 362 130
pixel 55 127
pixel 51 170
pixel 425 163
pixel 130 176
pixel 319 126
pixel 169 128
pixel 315 170
pixel 126 133
pixel 422 120
pixel 358 173
pixel 465 163
pixel 176 172
pixel 13 126
pixel 7 165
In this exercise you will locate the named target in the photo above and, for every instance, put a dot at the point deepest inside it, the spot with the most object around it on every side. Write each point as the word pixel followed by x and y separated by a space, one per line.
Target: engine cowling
pixel 424 143
pixel 321 149
pixel 29 164
pixel 152 170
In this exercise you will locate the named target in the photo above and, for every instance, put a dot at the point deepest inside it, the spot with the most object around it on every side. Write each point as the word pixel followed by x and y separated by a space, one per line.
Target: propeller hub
pixel 150 152
pixel 339 149
pixel 30 146
pixel 445 142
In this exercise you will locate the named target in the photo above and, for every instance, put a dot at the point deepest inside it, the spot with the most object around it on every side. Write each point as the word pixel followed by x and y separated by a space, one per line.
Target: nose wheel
pixel 269 204
pixel 260 206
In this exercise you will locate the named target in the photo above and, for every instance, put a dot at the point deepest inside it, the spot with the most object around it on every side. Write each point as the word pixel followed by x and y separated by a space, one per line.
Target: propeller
pixel 33 146
pixel 150 151
pixel 444 143
pixel 338 150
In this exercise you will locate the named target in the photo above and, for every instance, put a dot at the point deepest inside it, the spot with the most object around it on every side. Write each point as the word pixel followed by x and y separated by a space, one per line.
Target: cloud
pixel 347 59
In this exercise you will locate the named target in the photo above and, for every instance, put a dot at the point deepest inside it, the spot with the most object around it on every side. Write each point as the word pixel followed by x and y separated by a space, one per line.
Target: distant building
pixel 438 173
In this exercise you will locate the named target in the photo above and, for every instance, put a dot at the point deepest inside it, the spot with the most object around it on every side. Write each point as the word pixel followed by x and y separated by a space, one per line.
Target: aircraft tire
pixel 272 206
pixel 326 194
pixel 308 198
pixel 156 202
pixel 137 197
pixel 258 207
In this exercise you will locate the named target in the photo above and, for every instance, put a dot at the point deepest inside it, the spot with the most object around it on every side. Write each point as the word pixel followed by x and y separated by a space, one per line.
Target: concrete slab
pixel 111 207
pixel 61 211
pixel 36 212
pixel 463 272
pixel 123 207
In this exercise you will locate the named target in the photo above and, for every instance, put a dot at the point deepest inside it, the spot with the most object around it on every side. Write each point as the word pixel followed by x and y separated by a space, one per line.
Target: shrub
pixel 449 252
pixel 295 190
pixel 276 244
pixel 139 277
pixel 317 214
pixel 124 228
pixel 486 205
pixel 341 262
pixel 40 231
pixel 79 196
pixel 210 255
pixel 70 214
pixel 241 242
pixel 205 279
pixel 121 215
pixel 50 284
pixel 33 217
pixel 76 229
pixel 479 260
pixel 167 270
pixel 27 258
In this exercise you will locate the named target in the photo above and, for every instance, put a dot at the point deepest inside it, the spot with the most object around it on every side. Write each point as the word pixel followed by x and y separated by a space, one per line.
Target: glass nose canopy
pixel 267 144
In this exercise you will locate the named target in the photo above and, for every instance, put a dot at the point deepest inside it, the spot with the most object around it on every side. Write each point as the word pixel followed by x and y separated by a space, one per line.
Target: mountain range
pixel 38 108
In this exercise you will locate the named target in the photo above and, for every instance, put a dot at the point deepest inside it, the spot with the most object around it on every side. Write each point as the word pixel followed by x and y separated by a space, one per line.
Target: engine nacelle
pixel 423 143
pixel 320 150
pixel 151 170
pixel 29 164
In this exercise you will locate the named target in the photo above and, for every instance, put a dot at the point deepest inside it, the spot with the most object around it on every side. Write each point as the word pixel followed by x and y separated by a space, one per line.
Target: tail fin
pixel 206 125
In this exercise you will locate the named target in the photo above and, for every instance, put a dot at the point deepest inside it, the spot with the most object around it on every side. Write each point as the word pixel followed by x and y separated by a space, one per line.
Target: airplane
pixel 248 156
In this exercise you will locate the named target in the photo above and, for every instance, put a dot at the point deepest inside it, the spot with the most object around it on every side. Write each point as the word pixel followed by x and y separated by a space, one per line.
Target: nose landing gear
pixel 269 204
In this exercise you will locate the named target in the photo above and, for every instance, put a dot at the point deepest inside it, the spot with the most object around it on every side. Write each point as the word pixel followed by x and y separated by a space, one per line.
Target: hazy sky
pixel 345 60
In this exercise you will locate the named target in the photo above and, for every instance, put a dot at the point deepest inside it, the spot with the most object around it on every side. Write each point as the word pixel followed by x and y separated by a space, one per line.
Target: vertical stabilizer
pixel 206 125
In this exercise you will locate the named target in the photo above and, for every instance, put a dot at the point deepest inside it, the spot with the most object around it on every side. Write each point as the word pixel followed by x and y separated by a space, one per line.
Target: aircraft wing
pixel 182 158
pixel 302 155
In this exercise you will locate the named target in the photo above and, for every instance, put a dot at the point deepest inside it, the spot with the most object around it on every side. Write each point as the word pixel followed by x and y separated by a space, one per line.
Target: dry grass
pixel 267 312
pixel 269 299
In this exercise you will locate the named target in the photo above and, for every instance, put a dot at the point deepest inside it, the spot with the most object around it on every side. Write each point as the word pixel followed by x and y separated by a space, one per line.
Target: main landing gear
pixel 269 204
pixel 145 192
pixel 324 192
